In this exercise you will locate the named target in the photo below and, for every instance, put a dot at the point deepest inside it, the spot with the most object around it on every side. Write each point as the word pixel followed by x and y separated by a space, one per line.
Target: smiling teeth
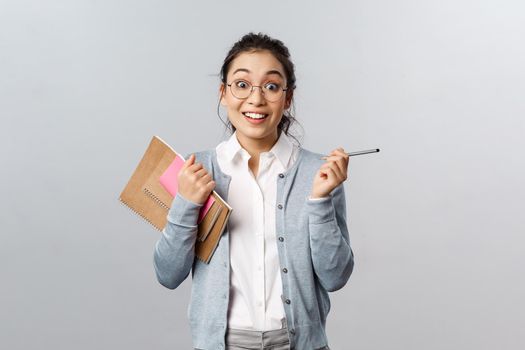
pixel 255 115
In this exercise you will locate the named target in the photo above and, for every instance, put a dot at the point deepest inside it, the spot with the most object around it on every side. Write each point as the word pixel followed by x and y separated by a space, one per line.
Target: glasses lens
pixel 241 89
pixel 272 91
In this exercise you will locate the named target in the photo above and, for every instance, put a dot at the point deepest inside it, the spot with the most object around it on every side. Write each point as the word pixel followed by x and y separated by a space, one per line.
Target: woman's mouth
pixel 255 118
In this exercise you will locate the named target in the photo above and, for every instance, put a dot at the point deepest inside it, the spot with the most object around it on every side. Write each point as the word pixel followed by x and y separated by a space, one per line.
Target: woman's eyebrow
pixel 273 71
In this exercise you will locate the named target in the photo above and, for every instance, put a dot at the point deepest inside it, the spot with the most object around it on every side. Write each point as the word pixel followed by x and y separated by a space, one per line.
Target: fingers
pixel 196 170
pixel 206 183
pixel 340 152
pixel 339 164
pixel 200 173
pixel 189 161
pixel 210 185
pixel 332 171
pixel 338 161
pixel 203 177
pixel 330 174
pixel 191 166
pixel 195 183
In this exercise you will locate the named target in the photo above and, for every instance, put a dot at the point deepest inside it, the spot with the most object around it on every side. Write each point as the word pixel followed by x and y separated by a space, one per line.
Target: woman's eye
pixel 272 86
pixel 242 84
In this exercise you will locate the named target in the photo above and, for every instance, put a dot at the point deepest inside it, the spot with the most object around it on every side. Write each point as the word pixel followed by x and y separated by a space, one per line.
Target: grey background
pixel 436 218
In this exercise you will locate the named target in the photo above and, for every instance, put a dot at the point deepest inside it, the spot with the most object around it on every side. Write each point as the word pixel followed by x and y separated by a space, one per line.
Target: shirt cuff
pixel 316 199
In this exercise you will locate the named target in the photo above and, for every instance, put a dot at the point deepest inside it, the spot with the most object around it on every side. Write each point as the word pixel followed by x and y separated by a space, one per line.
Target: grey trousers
pixel 238 339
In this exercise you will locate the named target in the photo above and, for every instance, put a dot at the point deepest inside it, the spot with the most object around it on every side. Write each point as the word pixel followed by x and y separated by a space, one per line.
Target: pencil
pixel 359 152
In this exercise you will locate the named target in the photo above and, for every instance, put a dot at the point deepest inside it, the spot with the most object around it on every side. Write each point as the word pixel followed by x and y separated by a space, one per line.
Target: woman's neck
pixel 255 147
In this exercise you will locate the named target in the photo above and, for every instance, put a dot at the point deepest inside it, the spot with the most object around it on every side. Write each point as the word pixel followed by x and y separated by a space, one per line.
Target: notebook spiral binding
pixel 140 215
pixel 155 198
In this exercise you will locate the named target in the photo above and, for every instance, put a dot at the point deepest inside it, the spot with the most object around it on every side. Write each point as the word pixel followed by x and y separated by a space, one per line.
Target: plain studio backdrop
pixel 435 219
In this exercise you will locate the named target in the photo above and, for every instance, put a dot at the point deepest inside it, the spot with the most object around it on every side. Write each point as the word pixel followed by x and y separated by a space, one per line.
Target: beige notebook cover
pixel 147 198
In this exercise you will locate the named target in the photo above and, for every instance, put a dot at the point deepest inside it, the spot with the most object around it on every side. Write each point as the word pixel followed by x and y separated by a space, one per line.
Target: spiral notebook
pixel 152 187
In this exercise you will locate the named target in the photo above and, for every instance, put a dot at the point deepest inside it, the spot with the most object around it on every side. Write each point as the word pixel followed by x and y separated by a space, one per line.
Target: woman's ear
pixel 221 94
pixel 288 100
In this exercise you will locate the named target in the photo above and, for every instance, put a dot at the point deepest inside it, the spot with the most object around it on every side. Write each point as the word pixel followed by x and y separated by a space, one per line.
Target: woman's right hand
pixel 195 184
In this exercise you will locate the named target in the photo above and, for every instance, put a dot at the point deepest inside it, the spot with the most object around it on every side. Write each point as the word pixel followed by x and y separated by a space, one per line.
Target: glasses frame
pixel 251 91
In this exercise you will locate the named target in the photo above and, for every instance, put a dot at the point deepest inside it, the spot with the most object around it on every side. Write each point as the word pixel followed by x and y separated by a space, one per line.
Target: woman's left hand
pixel 331 174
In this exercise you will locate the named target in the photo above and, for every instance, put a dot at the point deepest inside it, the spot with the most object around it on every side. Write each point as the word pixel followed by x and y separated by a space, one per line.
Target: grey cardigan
pixel 314 254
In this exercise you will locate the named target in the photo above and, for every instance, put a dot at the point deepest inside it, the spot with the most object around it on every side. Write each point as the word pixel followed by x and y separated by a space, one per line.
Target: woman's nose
pixel 257 95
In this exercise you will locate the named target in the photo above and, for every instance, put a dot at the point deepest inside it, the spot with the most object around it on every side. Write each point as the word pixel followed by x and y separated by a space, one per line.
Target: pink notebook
pixel 170 182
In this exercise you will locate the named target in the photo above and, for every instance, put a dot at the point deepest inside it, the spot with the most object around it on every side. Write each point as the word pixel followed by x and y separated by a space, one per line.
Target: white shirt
pixel 255 276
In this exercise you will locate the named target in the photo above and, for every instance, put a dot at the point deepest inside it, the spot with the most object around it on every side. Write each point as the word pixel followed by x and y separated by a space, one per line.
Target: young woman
pixel 286 244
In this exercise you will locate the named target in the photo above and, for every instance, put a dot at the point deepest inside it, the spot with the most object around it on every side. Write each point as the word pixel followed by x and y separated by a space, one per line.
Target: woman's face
pixel 259 69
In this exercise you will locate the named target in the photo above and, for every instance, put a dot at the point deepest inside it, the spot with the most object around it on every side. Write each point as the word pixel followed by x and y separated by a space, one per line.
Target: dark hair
pixel 259 42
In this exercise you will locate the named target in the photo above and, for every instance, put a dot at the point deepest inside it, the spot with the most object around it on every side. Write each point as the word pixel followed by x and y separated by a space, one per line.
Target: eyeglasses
pixel 241 89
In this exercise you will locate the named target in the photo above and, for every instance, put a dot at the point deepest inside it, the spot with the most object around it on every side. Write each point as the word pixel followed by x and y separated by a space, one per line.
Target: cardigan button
pixel 281 175
pixel 281 239
pixel 280 206
pixel 287 301
pixel 292 331
pixel 285 270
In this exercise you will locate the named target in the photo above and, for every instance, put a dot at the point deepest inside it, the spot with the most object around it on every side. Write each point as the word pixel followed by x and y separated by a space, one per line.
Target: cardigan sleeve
pixel 332 256
pixel 175 250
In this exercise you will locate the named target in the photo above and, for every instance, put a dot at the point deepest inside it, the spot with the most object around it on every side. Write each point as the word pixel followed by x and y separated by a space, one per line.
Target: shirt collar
pixel 282 149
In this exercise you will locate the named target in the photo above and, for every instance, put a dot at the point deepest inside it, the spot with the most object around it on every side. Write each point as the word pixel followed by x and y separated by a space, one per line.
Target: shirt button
pixel 280 206
pixel 285 270
pixel 281 239
pixel 281 175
